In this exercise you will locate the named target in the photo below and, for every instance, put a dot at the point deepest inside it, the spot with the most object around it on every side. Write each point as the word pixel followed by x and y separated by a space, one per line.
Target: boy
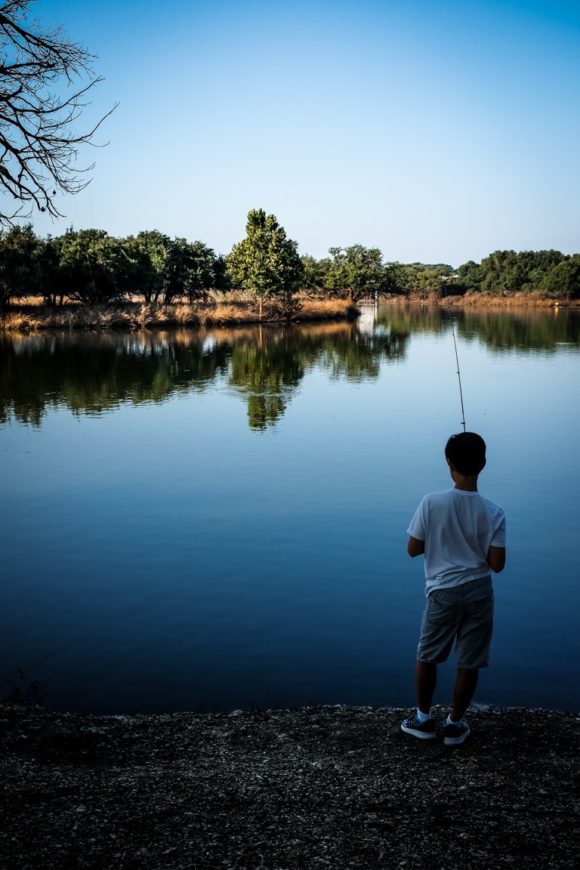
pixel 462 536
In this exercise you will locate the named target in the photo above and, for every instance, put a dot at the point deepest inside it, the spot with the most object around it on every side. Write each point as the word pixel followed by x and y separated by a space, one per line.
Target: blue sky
pixel 438 132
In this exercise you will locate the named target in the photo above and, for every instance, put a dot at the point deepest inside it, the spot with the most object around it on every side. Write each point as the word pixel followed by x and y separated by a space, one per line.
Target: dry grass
pixel 325 309
pixel 30 315
pixel 87 317
pixel 518 300
pixel 489 300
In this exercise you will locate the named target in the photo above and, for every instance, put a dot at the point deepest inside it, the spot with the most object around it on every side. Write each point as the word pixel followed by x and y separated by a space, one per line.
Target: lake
pixel 217 520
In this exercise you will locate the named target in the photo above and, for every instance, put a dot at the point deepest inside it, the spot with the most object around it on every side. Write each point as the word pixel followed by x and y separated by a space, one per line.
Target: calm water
pixel 198 521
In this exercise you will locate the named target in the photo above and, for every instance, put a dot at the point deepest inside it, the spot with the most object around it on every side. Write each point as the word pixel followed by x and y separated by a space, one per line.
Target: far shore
pixel 31 315
pixel 500 301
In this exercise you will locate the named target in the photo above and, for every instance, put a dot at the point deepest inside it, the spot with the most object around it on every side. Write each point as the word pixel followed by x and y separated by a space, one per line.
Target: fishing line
pixel 458 370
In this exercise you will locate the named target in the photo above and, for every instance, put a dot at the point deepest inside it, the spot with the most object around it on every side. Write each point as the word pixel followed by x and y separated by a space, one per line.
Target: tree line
pixel 91 267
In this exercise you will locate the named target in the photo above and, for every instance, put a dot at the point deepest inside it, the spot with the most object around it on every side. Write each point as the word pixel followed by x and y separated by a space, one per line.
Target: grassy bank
pixel 488 300
pixel 31 315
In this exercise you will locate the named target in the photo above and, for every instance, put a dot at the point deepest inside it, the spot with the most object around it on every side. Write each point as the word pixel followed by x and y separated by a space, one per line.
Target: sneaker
pixel 455 733
pixel 422 730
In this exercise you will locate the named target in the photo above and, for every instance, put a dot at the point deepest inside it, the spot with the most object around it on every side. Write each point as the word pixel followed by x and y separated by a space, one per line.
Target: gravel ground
pixel 320 787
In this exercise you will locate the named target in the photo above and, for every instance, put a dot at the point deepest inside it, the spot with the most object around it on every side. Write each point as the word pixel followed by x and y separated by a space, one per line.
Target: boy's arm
pixel 496 558
pixel 415 547
pixel 417 530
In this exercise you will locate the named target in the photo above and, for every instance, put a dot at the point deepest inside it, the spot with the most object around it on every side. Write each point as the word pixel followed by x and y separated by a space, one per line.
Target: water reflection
pixel 93 373
pixel 522 330
pixel 526 331
pixel 266 368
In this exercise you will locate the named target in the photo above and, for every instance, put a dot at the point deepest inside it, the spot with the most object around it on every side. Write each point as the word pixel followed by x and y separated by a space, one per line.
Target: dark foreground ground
pixel 336 787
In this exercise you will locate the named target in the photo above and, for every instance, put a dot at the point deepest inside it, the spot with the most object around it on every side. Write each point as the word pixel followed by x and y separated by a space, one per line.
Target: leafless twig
pixel 38 143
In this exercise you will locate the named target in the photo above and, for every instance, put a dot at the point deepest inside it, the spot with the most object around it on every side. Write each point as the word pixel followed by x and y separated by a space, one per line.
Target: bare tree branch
pixel 39 145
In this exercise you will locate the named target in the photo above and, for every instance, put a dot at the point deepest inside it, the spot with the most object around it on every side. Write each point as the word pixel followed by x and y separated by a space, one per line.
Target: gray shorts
pixel 463 614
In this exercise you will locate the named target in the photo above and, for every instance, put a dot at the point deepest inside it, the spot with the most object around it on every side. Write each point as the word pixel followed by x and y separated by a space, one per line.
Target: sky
pixel 435 131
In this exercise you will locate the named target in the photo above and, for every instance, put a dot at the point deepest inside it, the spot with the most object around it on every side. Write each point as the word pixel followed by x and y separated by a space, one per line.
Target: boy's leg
pixel 465 685
pixel 423 726
pixel 425 681
pixel 473 642
pixel 439 623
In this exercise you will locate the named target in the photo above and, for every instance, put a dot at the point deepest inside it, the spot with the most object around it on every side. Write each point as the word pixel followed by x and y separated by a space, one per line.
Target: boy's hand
pixel 415 547
pixel 496 558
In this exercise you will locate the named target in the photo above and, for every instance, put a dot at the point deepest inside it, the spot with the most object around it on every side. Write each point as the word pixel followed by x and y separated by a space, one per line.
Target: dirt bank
pixel 335 787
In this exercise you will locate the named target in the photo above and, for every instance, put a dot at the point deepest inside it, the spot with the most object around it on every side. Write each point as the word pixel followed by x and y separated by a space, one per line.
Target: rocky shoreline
pixel 336 787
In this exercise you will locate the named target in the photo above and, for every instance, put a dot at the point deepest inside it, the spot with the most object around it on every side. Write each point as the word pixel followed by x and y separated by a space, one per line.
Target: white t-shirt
pixel 458 528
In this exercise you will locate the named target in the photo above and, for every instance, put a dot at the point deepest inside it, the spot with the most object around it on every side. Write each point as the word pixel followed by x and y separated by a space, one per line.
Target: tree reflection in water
pixel 269 366
pixel 91 374
pixel 529 329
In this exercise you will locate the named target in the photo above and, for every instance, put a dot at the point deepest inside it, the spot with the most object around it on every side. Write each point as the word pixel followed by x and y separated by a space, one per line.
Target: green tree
pixel 159 266
pixel 90 262
pixel 136 274
pixel 155 246
pixel 19 263
pixel 189 270
pixel 506 272
pixel 50 282
pixel 469 277
pixel 266 262
pixel 427 279
pixel 500 273
pixel 394 280
pixel 356 271
pixel 220 271
pixel 564 278
pixel 315 272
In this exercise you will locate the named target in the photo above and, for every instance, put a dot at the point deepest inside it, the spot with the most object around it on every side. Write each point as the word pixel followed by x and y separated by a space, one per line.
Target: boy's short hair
pixel 466 452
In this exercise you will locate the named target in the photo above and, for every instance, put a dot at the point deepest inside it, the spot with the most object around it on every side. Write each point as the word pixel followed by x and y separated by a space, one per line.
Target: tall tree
pixel 188 270
pixel 469 276
pixel 156 265
pixel 357 271
pixel 427 280
pixel 50 282
pixel 91 262
pixel 154 246
pixel 44 82
pixel 564 278
pixel 315 272
pixel 19 264
pixel 266 262
pixel 136 273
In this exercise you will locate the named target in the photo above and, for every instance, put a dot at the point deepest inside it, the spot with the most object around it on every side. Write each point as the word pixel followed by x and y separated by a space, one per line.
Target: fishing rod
pixel 458 369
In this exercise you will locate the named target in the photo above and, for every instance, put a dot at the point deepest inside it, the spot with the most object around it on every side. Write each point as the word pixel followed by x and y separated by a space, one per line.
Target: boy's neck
pixel 465 482
pixel 467 487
